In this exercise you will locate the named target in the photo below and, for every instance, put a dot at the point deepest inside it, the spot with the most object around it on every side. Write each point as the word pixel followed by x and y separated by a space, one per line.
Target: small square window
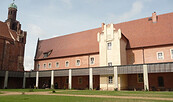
pixel 66 63
pixel 109 45
pixel 57 64
pixel 44 65
pixel 171 53
pixel 92 60
pixel 160 55
pixel 110 64
pixel 77 62
pixel 140 78
pixel 110 79
pixel 50 65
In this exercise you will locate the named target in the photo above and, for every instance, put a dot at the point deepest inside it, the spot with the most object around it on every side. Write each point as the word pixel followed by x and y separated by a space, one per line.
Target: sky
pixel 45 19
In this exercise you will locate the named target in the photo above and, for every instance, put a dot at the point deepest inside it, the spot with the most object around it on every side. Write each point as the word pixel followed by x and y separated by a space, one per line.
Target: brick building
pixel 142 41
pixel 12 42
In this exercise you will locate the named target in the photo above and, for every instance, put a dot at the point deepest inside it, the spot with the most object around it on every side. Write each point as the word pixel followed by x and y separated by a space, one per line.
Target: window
pixel 160 82
pixel 160 55
pixel 77 62
pixel 45 55
pixel 44 65
pixel 57 64
pixel 109 45
pixel 50 65
pixel 171 53
pixel 110 64
pixel 92 60
pixel 140 78
pixel 80 80
pixel 66 63
pixel 110 79
pixel 38 66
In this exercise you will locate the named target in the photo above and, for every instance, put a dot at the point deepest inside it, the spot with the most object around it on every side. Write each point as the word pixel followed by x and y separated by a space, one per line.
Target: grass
pixel 121 93
pixel 41 98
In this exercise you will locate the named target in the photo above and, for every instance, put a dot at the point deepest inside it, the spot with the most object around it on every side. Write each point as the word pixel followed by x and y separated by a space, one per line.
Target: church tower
pixel 11 20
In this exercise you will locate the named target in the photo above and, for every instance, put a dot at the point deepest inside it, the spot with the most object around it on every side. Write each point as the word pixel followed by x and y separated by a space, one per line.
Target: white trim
pixel 79 63
pixel 171 53
pixel 111 80
pixel 56 64
pixel 90 60
pixel 50 65
pixel 162 55
pixel 68 63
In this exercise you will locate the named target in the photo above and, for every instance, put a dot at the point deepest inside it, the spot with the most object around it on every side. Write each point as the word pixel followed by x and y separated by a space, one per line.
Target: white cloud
pixel 29 63
pixel 35 30
pixel 67 2
pixel 136 9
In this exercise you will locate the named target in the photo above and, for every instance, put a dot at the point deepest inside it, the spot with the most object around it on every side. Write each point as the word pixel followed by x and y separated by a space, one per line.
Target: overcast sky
pixel 50 18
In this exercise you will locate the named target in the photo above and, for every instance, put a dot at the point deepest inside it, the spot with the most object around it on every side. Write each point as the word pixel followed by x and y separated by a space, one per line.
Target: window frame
pixel 56 64
pixel 38 66
pixel 109 63
pixel 80 82
pixel 44 65
pixel 79 62
pixel 171 52
pixel 93 61
pixel 138 78
pixel 110 81
pixel 158 55
pixel 66 63
pixel 109 45
pixel 50 65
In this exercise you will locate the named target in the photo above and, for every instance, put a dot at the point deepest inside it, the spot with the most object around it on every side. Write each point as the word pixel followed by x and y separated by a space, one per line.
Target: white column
pixel 24 79
pixel 90 78
pixel 37 79
pixel 52 79
pixel 145 75
pixel 70 79
pixel 6 80
pixel 116 78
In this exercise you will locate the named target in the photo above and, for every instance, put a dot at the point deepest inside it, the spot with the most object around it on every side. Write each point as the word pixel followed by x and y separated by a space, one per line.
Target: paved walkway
pixel 98 96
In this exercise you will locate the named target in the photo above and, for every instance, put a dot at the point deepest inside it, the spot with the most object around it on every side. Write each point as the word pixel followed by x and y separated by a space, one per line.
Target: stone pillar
pixel 70 79
pixel 6 80
pixel 145 75
pixel 24 80
pixel 116 78
pixel 37 79
pixel 52 79
pixel 90 79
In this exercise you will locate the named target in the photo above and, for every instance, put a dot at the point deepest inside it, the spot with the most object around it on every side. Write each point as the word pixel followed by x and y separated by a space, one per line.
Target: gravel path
pixel 98 96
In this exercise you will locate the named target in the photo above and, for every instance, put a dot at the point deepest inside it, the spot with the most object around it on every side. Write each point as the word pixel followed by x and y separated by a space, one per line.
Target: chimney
pixel 103 26
pixel 154 17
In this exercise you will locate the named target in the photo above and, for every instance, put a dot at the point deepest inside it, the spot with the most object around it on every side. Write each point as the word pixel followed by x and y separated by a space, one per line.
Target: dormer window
pixel 46 54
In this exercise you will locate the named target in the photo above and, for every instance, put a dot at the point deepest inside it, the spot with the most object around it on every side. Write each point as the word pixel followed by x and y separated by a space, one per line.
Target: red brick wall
pixel 135 56
pixel 133 83
pixel 153 80
pixel 14 83
pixel 72 62
pixel 1 82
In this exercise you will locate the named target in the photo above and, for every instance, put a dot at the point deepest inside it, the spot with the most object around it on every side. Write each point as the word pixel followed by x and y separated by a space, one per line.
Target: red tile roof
pixel 143 33
pixel 73 44
pixel 140 33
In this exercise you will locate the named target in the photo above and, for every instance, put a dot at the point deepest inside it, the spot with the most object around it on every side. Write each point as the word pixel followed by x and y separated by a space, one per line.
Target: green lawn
pixel 42 98
pixel 120 93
